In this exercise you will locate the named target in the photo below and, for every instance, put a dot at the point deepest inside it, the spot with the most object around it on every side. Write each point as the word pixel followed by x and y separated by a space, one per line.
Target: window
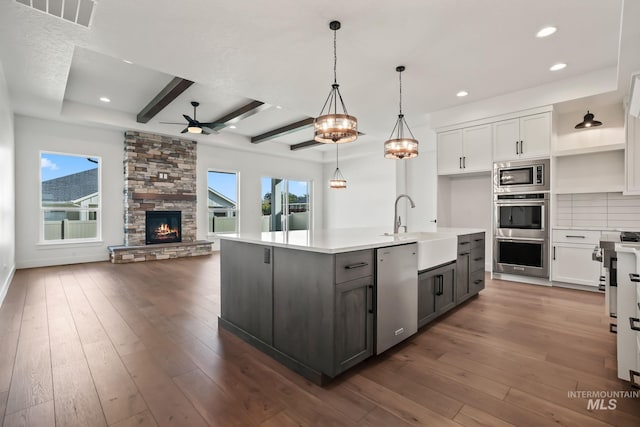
pixel 285 204
pixel 222 201
pixel 69 197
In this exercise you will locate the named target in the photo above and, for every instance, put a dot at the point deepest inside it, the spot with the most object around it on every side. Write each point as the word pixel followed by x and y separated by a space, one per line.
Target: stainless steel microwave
pixel 522 176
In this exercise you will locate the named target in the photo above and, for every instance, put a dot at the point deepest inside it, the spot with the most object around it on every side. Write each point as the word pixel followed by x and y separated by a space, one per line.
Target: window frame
pixel 42 209
pixel 213 234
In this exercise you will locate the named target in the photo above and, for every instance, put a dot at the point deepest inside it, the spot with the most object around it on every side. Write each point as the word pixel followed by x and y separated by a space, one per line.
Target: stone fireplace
pixel 160 177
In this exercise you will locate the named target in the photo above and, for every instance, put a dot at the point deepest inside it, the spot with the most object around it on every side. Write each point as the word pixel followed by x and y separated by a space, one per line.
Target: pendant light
pixel 337 181
pixel 330 126
pixel 588 122
pixel 400 147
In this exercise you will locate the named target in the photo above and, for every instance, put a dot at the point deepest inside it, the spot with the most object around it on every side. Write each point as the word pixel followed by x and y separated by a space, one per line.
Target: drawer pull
pixel 632 378
pixel 478 240
pixel 575 237
pixel 634 277
pixel 632 323
pixel 478 259
pixel 613 328
pixel 615 316
pixel 356 265
pixel 601 288
pixel 464 243
pixel 476 282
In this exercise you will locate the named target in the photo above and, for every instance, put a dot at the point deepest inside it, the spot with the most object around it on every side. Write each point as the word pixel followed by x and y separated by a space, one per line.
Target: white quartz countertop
pixel 347 239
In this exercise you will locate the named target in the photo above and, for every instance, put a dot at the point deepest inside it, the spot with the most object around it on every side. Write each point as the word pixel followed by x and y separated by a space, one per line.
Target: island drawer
pixel 476 259
pixel 353 265
pixel 477 240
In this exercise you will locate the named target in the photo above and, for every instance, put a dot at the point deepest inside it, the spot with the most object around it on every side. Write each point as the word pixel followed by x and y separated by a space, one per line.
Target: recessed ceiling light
pixel 104 99
pixel 558 66
pixel 232 127
pixel 546 32
pixel 462 93
pixel 126 61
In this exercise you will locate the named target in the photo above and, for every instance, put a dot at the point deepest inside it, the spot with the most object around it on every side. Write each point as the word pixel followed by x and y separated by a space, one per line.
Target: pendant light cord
pixel 400 79
pixel 337 156
pixel 335 58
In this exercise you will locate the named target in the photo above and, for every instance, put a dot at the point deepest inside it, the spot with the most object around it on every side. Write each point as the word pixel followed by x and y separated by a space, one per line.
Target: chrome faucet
pixel 397 221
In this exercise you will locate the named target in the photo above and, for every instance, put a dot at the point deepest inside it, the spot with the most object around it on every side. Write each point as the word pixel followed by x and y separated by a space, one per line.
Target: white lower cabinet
pixel 571 257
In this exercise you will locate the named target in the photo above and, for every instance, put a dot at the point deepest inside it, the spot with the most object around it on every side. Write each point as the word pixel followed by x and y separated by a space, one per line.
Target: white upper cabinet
pixel 465 150
pixel 632 156
pixel 522 138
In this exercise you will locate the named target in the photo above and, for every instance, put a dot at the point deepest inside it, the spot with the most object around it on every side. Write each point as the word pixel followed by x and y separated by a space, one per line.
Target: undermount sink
pixel 433 248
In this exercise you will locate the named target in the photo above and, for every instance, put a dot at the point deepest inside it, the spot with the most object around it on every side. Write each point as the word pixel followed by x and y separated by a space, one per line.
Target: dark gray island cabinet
pixel 314 308
pixel 312 311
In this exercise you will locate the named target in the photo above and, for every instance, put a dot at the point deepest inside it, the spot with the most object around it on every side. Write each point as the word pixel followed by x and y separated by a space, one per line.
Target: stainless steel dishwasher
pixel 397 294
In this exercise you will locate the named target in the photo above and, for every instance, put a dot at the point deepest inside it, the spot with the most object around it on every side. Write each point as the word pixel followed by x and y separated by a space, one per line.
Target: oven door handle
pixel 521 239
pixel 519 203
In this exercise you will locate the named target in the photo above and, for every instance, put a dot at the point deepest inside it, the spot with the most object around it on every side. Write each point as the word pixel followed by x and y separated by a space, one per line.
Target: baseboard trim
pixel 5 285
pixel 34 263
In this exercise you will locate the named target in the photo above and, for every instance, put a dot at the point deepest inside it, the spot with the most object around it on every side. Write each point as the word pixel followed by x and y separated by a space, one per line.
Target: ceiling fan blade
pixel 172 123
pixel 185 130
pixel 211 125
pixel 190 120
pixel 204 132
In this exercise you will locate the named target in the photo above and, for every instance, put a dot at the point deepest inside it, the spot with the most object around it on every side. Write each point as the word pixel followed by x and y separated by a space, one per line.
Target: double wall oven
pixel 521 218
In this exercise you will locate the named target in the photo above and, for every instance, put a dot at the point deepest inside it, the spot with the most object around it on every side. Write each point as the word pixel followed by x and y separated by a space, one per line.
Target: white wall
pixel 252 167
pixel 422 178
pixel 7 190
pixel 371 190
pixel 34 135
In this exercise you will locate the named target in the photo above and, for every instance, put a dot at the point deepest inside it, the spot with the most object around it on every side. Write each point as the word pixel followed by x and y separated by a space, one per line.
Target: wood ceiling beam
pixel 164 98
pixel 291 127
pixel 241 113
pixel 305 144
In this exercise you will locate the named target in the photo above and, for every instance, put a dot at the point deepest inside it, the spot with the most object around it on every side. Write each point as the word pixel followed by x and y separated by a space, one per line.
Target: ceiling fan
pixel 194 126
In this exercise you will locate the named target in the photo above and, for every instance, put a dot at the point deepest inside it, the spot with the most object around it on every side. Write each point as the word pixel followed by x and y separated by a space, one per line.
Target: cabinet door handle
pixel 632 378
pixel 370 287
pixel 554 253
pixel 356 265
pixel 517 148
pixel 613 328
pixel 464 253
pixel 464 162
pixel 459 162
pixel 441 285
pixel 521 149
pixel 569 236
pixel 634 277
pixel 632 323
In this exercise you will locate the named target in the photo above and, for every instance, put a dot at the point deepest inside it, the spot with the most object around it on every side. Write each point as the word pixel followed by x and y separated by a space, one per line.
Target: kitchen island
pixel 321 302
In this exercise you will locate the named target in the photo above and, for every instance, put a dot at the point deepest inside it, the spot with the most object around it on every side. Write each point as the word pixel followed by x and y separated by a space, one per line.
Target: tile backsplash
pixel 598 210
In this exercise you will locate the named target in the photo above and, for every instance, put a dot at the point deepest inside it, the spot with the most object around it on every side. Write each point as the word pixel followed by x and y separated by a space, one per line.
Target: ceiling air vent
pixel 77 11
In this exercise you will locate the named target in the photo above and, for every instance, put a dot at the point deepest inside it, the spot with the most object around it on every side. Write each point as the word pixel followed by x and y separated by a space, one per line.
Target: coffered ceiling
pixel 280 53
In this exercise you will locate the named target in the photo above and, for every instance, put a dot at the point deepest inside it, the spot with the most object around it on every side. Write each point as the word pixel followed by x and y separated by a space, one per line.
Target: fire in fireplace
pixel 163 227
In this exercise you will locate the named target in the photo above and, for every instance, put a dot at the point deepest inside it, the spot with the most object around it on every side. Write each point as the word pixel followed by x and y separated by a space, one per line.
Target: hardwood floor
pixel 138 345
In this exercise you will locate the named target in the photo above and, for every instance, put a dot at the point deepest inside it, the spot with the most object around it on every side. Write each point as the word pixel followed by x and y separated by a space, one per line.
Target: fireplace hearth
pixel 163 227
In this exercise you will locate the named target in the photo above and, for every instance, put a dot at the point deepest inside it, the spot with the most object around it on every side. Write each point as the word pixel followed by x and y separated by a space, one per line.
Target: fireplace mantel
pixel 163 196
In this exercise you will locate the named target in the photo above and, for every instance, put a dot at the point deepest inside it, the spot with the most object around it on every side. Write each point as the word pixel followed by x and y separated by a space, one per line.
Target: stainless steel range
pixel 606 254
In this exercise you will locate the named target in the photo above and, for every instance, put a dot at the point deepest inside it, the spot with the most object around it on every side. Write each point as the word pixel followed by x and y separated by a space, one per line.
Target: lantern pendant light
pixel 337 181
pixel 588 122
pixel 400 147
pixel 331 127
